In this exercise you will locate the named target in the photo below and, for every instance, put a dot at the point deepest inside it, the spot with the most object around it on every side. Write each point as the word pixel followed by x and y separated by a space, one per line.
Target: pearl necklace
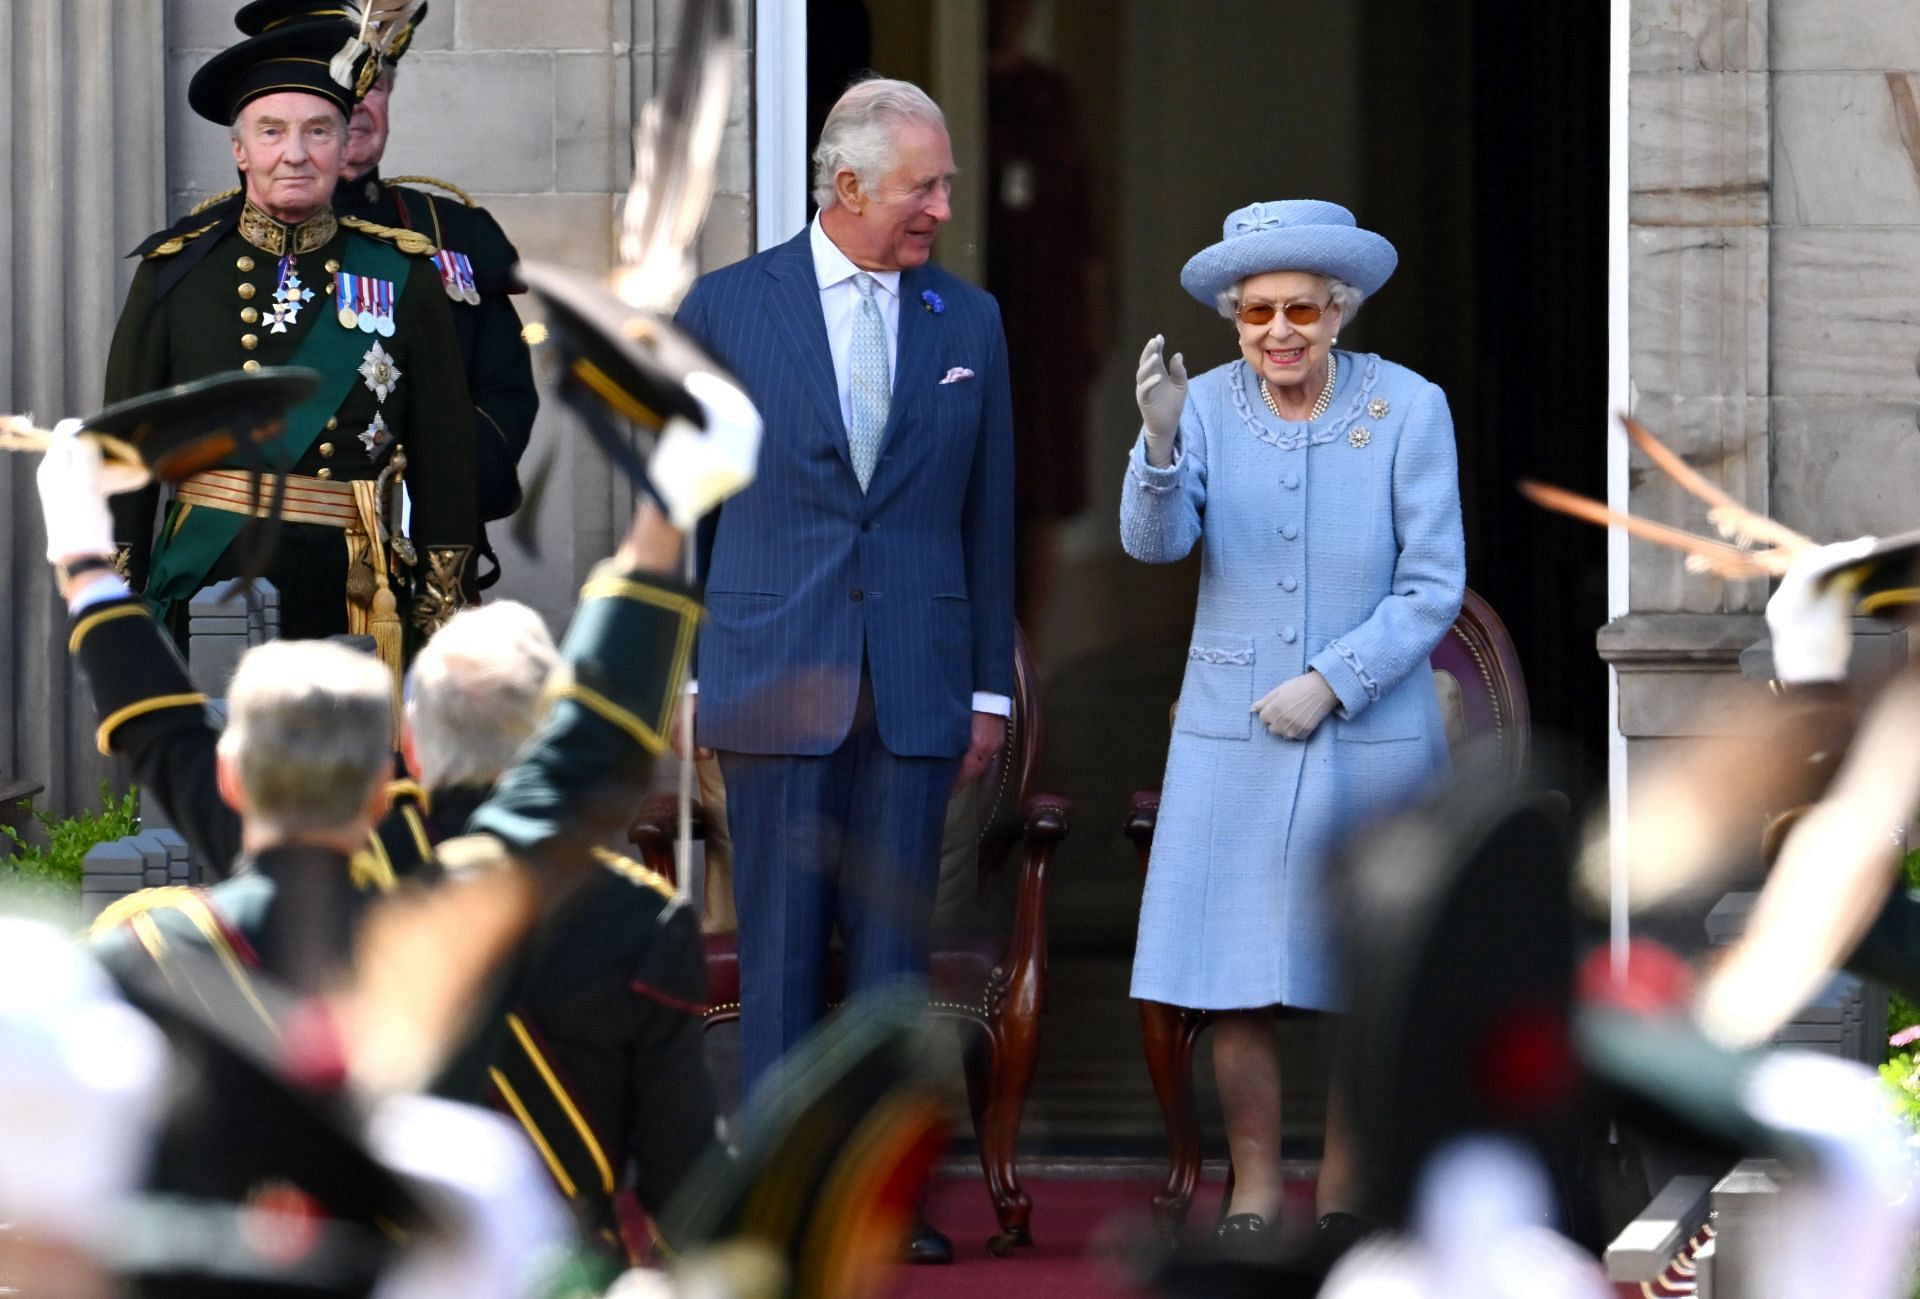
pixel 1319 406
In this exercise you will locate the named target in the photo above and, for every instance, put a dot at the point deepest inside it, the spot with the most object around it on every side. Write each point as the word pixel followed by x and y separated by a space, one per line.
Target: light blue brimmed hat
pixel 1294 234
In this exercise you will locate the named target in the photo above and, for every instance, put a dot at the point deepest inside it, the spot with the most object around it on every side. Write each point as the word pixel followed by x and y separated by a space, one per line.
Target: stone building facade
pixel 1769 276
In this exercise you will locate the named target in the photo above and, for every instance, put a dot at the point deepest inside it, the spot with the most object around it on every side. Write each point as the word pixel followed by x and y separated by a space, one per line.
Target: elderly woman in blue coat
pixel 1322 489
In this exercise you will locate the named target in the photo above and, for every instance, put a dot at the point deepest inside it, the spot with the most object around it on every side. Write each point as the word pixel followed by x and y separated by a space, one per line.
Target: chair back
pixel 1009 778
pixel 1483 696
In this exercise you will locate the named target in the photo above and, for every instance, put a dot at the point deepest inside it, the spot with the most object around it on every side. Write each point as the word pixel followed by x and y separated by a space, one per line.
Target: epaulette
pixel 628 868
pixel 447 185
pixel 214 201
pixel 407 241
pixel 124 909
pixel 174 243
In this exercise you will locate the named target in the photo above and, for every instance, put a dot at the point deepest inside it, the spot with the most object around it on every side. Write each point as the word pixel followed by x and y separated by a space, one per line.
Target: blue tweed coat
pixel 1333 545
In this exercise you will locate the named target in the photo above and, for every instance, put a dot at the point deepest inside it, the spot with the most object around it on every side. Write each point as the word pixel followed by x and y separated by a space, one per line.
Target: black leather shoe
pixel 928 1246
pixel 1336 1234
pixel 1241 1224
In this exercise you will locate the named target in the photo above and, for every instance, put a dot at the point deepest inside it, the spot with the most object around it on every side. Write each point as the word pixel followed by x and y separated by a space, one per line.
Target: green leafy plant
pixel 1901 1013
pixel 56 865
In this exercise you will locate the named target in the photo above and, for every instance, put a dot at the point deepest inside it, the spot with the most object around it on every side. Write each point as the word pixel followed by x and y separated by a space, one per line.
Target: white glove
pixel 1293 709
pixel 1812 629
pixel 75 482
pixel 695 470
pixel 1161 392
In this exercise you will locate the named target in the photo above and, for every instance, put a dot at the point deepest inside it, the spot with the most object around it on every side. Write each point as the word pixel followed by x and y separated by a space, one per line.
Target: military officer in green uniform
pixel 280 279
pixel 475 262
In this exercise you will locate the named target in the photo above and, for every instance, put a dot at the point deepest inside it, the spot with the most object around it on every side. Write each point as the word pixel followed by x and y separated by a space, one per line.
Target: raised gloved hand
pixel 75 481
pixel 1161 391
pixel 1293 709
pixel 1812 626
pixel 694 469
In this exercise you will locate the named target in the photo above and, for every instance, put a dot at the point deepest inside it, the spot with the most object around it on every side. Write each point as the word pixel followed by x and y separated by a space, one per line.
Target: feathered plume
pixel 377 25
pixel 1759 547
pixel 18 433
pixel 675 147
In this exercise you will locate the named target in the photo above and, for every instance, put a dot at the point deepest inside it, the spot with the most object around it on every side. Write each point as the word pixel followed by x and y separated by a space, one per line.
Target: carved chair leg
pixel 1167 1033
pixel 1010 1066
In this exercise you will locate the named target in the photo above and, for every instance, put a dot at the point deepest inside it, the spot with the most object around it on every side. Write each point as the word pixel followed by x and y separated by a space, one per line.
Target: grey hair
pixel 858 134
pixel 310 729
pixel 1344 296
pixel 474 693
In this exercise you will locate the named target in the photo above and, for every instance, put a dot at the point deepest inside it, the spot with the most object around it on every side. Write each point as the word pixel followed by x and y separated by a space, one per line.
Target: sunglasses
pixel 1297 313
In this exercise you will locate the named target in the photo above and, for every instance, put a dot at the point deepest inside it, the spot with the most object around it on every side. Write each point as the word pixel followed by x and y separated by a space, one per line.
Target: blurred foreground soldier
pixel 475 261
pixel 279 279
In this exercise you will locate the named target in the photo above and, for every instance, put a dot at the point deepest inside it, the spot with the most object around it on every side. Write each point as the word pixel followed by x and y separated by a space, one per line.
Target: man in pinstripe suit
pixel 857 658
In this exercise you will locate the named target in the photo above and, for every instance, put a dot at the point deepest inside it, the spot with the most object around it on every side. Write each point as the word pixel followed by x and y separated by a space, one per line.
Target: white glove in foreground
pixel 75 483
pixel 1812 629
pixel 1161 392
pixel 1293 709
pixel 694 470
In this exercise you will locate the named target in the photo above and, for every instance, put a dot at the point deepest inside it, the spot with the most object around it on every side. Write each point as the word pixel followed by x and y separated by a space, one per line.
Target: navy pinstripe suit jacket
pixel 804 574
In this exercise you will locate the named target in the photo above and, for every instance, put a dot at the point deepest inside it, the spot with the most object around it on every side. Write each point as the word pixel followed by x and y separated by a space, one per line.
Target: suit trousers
pixel 848 840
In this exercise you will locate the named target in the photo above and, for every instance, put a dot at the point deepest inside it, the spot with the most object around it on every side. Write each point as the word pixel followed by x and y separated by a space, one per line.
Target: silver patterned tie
pixel 872 389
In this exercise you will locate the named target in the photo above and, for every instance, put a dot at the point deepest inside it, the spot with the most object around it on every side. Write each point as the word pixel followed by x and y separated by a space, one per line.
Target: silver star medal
pixel 287 301
pixel 378 369
pixel 376 438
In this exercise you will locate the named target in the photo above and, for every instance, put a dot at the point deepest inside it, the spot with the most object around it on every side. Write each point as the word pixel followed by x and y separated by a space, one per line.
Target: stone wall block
pixel 572 229
pixel 1847 320
pixel 727 237
pixel 539 25
pixel 1699 297
pixel 593 150
pixel 1698 36
pixel 1698 152
pixel 1846 467
pixel 199 152
pixel 486 121
pixel 1725 439
pixel 1833 35
pixel 203 25
pixel 1847 148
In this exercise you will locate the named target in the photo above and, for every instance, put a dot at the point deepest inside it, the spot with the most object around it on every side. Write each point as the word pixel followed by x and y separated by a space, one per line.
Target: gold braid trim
pixel 372 868
pixel 404 787
pixel 178 242
pixel 438 596
pixel 407 241
pixel 93 620
pixel 602 584
pixel 213 201
pixel 565 687
pixel 566 1101
pixel 622 865
pixel 514 1103
pixel 437 183
pixel 104 736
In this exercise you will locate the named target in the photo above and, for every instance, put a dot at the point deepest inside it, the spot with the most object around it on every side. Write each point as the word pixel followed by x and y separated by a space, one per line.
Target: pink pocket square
pixel 958 373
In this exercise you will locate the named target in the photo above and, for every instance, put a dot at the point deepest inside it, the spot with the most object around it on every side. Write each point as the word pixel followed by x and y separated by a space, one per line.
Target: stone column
pixel 82 166
pixel 1701 176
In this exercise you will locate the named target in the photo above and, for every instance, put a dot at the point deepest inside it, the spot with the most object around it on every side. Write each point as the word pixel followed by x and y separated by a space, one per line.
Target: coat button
pixel 858 595
pixel 1289 635
pixel 249 341
pixel 326 450
pixel 1289 582
pixel 248 315
pixel 333 423
pixel 333 265
pixel 244 264
pixel 323 472
pixel 1289 532
pixel 1290 482
pixel 245 290
pixel 250 366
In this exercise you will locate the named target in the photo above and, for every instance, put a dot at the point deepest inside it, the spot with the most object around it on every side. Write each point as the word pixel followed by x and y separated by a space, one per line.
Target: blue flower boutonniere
pixel 932 301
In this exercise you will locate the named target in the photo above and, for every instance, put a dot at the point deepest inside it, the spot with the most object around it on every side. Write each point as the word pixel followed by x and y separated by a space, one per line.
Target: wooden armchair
pixel 996 983
pixel 1483 701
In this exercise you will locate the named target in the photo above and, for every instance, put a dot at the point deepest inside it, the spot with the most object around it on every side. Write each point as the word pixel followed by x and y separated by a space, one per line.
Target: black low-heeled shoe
pixel 1241 1225
pixel 1336 1233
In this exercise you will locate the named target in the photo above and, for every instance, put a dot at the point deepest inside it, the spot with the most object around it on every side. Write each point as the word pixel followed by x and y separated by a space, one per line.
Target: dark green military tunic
pixel 499 364
pixel 202 302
